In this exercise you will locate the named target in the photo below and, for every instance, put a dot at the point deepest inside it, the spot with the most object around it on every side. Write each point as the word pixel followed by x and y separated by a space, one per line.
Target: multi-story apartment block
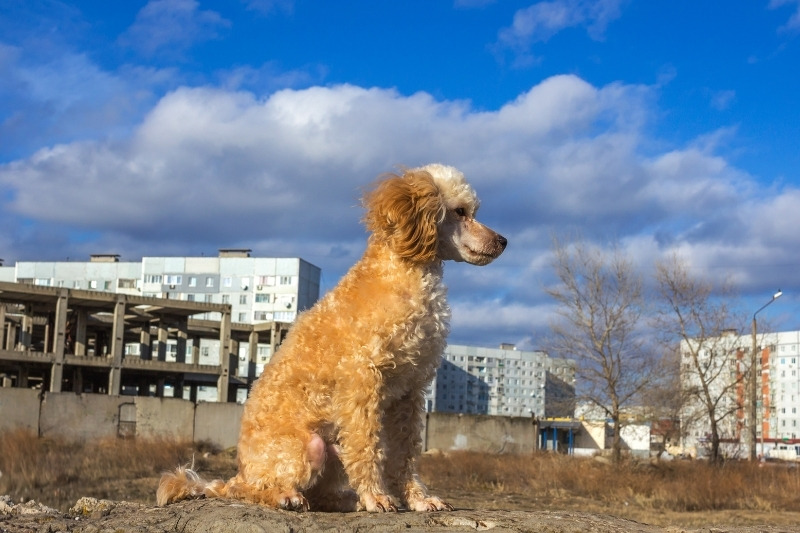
pixel 259 289
pixel 727 358
pixel 503 381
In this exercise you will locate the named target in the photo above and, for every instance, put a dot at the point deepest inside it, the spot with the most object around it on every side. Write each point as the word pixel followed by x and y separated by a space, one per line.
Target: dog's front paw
pixel 429 504
pixel 293 501
pixel 377 503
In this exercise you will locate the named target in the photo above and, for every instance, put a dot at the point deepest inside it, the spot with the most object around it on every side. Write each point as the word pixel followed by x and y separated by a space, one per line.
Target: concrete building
pixel 778 391
pixel 258 289
pixel 503 381
pixel 247 291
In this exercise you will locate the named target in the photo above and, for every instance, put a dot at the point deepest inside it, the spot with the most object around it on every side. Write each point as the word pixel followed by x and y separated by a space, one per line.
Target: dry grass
pixel 676 493
pixel 57 473
pixel 675 486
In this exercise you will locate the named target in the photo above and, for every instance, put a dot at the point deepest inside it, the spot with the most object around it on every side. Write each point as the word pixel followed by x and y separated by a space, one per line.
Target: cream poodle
pixel 334 423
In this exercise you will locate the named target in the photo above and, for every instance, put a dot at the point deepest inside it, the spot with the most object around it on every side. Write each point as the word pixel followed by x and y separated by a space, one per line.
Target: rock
pixel 91 507
pixel 226 516
pixel 8 508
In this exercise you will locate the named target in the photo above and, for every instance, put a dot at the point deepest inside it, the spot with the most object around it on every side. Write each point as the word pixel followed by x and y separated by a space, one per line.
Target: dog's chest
pixel 416 348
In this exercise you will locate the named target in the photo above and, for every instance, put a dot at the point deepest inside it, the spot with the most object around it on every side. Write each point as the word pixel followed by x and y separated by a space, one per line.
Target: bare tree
pixel 600 303
pixel 663 400
pixel 712 367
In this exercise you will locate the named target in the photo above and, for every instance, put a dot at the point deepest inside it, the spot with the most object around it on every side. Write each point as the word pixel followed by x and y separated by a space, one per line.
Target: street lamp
pixel 753 394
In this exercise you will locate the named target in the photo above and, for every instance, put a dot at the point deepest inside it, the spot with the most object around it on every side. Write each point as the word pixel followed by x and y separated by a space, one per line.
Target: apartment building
pixel 259 289
pixel 503 381
pixel 727 358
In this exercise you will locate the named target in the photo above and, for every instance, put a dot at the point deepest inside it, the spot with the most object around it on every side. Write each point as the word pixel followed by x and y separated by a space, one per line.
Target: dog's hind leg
pixel 275 471
pixel 331 492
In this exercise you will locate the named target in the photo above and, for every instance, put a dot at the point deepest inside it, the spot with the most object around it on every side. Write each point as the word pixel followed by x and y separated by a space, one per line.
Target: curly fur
pixel 334 422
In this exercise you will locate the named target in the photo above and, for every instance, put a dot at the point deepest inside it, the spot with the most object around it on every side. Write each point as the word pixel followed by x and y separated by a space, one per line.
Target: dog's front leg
pixel 359 422
pixel 403 430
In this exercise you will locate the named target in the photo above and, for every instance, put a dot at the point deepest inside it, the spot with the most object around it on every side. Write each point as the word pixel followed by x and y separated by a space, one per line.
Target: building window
pixel 173 280
pixel 153 278
pixel 242 317
pixel 262 298
pixel 192 281
pixel 243 299
pixel 190 297
pixel 226 298
pixel 267 281
pixel 262 315
pixel 227 281
pixel 209 282
pixel 93 284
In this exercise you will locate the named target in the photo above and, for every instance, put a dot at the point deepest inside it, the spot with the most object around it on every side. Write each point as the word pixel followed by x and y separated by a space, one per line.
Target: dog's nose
pixel 502 241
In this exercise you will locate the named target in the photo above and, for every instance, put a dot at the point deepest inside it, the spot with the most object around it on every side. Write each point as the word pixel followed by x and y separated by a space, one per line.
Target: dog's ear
pixel 404 211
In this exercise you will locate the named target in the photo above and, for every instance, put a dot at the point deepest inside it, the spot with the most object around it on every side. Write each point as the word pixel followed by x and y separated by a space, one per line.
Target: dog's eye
pixel 460 211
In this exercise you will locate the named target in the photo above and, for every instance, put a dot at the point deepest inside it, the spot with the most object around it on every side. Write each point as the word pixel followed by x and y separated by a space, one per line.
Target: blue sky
pixel 176 127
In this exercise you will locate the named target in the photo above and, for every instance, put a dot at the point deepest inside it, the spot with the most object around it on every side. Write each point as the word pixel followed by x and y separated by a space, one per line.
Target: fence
pixel 91 416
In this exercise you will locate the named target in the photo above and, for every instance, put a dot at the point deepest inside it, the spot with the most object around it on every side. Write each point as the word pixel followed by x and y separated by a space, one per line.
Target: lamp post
pixel 753 389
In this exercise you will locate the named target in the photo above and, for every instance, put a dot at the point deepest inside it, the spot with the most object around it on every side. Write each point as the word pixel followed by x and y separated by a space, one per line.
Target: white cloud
pixel 281 174
pixel 172 26
pixel 542 20
pixel 722 100
pixel 793 24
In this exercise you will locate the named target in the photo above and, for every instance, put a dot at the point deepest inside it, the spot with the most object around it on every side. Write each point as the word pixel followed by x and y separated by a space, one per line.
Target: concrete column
pixel 81 318
pixel 195 350
pixel 60 336
pixel 235 355
pixel 161 344
pixel 117 347
pixel 2 325
pixel 183 335
pixel 11 336
pixel 26 333
pixel 253 360
pixel 77 380
pixel 145 344
pixel 48 330
pixel 224 355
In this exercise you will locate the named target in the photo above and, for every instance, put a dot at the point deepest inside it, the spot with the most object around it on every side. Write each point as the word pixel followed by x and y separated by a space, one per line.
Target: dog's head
pixel 428 214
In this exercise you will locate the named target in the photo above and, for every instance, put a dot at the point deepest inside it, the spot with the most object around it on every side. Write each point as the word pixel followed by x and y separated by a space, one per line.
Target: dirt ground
pixel 514 511
pixel 143 491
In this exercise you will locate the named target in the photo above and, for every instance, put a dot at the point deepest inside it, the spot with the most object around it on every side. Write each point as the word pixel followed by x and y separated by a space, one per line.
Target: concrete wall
pixel 91 416
pixel 592 435
pixel 79 416
pixel 495 434
pixel 164 417
pixel 218 422
pixel 19 408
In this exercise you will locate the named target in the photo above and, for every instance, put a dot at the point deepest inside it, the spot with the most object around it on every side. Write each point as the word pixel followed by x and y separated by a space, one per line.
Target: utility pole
pixel 753 415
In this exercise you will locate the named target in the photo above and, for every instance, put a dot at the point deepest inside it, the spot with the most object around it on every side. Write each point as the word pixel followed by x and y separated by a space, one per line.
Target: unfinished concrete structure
pixel 75 340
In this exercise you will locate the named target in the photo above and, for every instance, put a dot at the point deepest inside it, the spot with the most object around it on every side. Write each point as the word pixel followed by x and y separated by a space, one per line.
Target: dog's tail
pixel 184 483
